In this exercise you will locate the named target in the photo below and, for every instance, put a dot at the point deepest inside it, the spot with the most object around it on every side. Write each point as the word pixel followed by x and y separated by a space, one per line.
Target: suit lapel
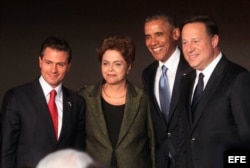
pixel 151 90
pixel 95 108
pixel 213 82
pixel 152 84
pixel 40 102
pixel 188 91
pixel 130 111
pixel 67 108
pixel 182 70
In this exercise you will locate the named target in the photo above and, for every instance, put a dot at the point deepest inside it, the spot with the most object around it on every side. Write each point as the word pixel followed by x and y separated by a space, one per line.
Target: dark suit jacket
pixel 26 126
pixel 135 146
pixel 165 133
pixel 223 114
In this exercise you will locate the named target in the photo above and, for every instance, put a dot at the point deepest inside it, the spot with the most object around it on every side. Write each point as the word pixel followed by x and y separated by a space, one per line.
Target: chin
pixel 159 58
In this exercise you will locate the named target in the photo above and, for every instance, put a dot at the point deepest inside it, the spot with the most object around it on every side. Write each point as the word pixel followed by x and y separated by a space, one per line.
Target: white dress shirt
pixel 207 71
pixel 58 99
pixel 172 65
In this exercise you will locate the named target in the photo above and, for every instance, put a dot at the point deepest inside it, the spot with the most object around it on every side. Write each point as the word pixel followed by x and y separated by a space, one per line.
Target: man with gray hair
pixel 66 158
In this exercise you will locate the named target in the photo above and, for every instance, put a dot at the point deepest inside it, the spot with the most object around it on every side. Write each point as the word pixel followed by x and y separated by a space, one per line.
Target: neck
pixel 114 91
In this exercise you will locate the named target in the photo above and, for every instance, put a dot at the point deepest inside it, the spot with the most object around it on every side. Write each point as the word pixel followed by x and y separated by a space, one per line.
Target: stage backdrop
pixel 24 25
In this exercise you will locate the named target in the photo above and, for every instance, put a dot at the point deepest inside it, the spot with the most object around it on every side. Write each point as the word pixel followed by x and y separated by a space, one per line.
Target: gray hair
pixel 66 158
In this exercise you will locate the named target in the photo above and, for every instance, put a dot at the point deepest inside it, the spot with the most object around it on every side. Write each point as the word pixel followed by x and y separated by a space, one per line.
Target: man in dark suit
pixel 218 118
pixel 28 132
pixel 161 36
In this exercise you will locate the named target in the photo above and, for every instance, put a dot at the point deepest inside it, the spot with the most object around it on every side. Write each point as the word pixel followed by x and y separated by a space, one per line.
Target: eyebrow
pixel 114 61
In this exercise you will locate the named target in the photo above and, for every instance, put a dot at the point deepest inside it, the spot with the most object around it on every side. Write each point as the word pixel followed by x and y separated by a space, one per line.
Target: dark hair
pixel 162 16
pixel 122 44
pixel 57 43
pixel 209 22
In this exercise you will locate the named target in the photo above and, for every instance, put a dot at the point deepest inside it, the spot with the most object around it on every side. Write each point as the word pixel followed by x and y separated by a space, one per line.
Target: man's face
pixel 54 65
pixel 198 46
pixel 160 39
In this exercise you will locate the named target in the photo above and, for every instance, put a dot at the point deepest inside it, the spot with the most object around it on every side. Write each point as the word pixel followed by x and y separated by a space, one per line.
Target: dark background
pixel 84 24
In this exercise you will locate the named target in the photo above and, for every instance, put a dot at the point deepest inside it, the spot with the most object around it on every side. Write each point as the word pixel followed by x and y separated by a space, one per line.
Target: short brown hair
pixel 122 44
pixel 56 43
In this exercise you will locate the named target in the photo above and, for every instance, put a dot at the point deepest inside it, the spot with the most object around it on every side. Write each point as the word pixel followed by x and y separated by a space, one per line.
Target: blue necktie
pixel 197 94
pixel 164 93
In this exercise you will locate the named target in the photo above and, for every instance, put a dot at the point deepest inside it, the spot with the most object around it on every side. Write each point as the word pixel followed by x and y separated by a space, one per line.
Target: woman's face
pixel 114 68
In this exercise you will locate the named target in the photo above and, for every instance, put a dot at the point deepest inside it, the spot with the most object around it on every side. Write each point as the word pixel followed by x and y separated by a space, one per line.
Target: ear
pixel 40 61
pixel 68 67
pixel 176 33
pixel 215 41
pixel 129 68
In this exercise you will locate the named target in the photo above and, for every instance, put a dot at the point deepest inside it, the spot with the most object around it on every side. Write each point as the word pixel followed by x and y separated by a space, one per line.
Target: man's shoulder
pixel 72 96
pixel 183 65
pixel 151 67
pixel 68 91
pixel 232 66
pixel 22 87
pixel 229 67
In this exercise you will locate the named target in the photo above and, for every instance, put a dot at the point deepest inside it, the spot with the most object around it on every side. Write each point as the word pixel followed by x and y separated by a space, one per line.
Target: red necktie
pixel 53 110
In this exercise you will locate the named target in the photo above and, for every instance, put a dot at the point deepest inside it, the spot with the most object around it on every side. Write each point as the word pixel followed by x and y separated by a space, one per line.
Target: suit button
pixel 193 139
pixel 169 134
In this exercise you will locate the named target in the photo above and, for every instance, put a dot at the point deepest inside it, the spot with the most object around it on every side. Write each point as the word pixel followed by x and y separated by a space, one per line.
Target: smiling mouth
pixel 53 76
pixel 157 49
pixel 193 57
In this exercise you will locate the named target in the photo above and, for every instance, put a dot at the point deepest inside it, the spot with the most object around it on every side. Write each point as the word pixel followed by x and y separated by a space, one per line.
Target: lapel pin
pixel 69 103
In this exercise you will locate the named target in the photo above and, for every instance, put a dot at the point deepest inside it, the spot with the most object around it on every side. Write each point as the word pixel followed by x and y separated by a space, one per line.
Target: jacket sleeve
pixel 151 134
pixel 240 106
pixel 10 130
pixel 80 135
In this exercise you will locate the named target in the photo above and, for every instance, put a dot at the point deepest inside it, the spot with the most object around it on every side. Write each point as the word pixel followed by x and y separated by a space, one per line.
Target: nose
pixel 110 67
pixel 189 48
pixel 154 41
pixel 54 68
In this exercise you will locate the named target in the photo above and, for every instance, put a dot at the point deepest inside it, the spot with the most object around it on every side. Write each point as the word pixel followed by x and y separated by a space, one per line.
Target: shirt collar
pixel 172 61
pixel 47 88
pixel 210 68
